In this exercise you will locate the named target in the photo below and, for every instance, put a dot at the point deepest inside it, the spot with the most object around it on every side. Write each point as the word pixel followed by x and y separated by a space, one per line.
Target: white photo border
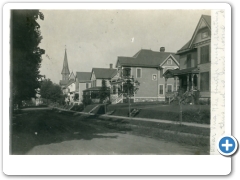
pixel 117 164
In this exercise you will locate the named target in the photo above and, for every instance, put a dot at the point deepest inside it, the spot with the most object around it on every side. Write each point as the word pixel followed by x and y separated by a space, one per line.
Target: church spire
pixel 65 71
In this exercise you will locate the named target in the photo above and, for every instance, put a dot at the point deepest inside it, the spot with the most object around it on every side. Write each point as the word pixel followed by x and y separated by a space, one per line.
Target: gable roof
pixel 181 71
pixel 146 58
pixel 83 76
pixel 72 76
pixel 207 20
pixel 70 82
pixel 63 82
pixel 104 73
pixel 187 46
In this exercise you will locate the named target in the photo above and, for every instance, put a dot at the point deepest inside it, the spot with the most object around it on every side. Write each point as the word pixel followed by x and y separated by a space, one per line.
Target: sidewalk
pixel 157 120
pixel 142 119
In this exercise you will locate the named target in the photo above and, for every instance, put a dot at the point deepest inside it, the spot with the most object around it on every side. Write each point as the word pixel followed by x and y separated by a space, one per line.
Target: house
pixel 97 76
pixel 147 67
pixel 82 82
pixel 194 72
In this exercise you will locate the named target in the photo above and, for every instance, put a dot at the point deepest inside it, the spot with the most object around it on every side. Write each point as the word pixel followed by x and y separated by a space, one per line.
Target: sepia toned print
pixel 110 82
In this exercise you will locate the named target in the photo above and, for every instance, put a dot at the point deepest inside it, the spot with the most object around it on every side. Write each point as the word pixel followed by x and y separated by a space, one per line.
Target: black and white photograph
pixel 115 86
pixel 110 82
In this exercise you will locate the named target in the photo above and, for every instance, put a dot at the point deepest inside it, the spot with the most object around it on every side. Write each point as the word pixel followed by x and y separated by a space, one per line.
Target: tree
pixel 130 86
pixel 86 99
pixel 45 89
pixel 51 91
pixel 25 56
pixel 104 92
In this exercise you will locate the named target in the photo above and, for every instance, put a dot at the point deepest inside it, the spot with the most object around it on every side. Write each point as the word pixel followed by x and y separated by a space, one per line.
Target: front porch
pixel 186 81
pixel 93 93
pixel 116 95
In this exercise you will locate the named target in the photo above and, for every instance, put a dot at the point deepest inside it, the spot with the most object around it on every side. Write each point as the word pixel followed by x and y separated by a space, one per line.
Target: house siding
pixel 99 82
pixel 77 85
pixel 149 89
pixel 194 59
pixel 82 87
pixel 72 87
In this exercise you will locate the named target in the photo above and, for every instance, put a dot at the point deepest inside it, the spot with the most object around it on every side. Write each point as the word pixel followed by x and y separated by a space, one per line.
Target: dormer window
pixel 169 61
pixel 204 34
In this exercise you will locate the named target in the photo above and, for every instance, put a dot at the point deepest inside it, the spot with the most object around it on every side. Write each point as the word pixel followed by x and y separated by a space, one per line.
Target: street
pixel 48 132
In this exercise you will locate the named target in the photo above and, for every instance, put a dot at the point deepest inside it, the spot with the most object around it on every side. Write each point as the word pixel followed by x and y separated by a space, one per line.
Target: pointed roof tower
pixel 65 69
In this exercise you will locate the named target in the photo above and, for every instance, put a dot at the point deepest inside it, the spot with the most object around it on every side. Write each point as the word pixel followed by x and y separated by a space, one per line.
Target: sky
pixel 95 38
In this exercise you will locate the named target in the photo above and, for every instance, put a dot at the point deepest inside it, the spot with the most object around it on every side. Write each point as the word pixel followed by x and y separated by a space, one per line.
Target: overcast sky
pixel 94 38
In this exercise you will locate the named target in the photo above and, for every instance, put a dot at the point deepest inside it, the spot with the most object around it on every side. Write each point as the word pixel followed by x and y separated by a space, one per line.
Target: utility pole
pixel 180 115
pixel 129 110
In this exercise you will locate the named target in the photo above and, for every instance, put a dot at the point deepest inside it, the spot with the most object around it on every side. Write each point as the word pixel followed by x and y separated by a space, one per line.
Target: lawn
pixel 190 113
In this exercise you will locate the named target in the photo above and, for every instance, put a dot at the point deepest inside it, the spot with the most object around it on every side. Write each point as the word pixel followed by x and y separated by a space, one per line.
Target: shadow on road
pixel 34 128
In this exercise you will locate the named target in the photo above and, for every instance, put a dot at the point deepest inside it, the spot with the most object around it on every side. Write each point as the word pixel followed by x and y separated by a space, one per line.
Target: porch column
pixel 175 84
pixel 165 86
pixel 192 81
pixel 188 83
pixel 116 88
pixel 180 82
pixel 111 89
pixel 198 82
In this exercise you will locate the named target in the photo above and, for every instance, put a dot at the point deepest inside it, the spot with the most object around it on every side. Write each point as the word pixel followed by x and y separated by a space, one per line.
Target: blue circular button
pixel 227 145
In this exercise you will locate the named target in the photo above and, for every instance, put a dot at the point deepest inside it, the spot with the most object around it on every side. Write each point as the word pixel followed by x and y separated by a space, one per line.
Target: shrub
pixel 77 107
pixel 86 100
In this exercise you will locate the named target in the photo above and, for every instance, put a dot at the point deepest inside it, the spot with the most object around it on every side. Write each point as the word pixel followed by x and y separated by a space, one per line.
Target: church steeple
pixel 65 71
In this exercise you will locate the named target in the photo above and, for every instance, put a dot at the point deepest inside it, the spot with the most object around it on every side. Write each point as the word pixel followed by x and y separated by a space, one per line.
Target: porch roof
pixel 98 88
pixel 176 72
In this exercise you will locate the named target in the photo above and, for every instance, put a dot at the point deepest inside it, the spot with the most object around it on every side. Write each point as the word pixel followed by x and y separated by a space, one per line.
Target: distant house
pixel 195 60
pixel 147 67
pixel 82 82
pixel 97 76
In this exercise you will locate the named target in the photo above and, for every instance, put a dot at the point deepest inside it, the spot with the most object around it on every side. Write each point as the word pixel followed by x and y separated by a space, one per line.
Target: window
pixel 204 34
pixel 161 87
pixel 126 72
pixel 169 88
pixel 154 77
pixel 204 54
pixel 139 72
pixel 204 81
pixel 169 61
pixel 189 59
pixel 86 85
pixel 161 73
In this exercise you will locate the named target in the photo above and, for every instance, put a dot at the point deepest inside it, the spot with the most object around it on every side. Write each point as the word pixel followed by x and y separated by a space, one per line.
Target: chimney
pixel 162 49
pixel 111 66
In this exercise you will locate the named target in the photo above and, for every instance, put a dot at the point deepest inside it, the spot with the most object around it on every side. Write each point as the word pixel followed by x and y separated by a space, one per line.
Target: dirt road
pixel 54 133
